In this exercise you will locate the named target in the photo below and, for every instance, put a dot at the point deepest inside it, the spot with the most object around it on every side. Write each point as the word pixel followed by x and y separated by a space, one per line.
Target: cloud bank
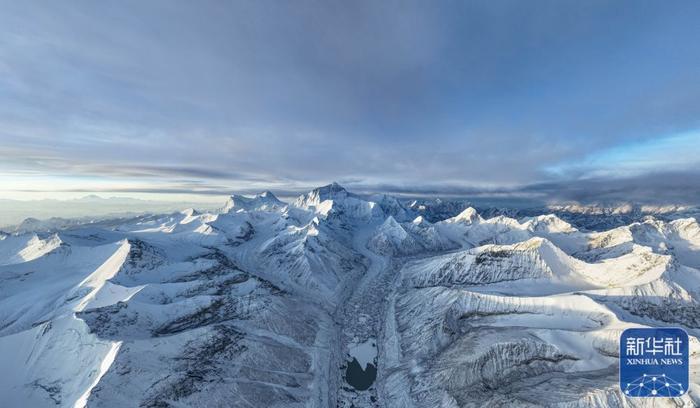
pixel 566 99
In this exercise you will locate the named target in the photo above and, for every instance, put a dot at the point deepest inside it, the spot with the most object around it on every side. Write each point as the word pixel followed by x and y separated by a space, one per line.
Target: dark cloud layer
pixel 476 96
pixel 653 188
pixel 660 188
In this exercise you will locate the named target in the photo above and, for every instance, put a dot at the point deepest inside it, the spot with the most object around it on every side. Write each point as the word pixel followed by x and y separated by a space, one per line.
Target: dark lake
pixel 357 377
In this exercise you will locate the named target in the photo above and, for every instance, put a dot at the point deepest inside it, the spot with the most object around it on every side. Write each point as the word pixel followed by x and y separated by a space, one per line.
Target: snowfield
pixel 341 300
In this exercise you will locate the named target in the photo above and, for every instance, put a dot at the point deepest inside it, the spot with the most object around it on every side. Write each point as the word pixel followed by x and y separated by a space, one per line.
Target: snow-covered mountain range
pixel 342 300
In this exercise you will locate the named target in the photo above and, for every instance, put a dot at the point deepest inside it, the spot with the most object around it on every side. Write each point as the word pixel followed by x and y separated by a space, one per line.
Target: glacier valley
pixel 343 300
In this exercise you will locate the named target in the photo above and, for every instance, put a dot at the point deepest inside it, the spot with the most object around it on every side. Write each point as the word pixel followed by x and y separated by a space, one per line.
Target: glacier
pixel 338 299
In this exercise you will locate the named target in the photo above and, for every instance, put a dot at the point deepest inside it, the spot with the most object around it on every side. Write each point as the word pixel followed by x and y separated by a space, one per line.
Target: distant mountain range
pixel 343 300
pixel 13 212
pixel 49 214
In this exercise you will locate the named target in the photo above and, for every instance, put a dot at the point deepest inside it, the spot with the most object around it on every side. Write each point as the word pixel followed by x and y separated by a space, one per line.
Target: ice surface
pixel 365 352
pixel 263 304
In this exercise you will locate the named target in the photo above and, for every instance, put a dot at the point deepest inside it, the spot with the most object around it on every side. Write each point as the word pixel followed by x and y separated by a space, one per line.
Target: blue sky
pixel 166 98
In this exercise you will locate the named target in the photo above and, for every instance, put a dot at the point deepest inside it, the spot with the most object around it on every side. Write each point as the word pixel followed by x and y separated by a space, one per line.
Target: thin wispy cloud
pixel 476 96
pixel 677 152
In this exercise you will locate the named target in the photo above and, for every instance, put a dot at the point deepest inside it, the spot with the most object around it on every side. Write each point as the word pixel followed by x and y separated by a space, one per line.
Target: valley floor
pixel 337 300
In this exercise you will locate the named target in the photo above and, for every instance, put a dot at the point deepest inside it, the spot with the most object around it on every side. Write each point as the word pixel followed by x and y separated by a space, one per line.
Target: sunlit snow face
pixel 336 295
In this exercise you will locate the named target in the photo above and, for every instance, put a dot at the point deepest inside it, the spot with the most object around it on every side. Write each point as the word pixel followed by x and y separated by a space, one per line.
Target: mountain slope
pixel 340 300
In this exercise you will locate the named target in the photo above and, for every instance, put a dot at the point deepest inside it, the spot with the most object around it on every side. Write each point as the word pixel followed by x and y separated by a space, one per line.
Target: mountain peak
pixel 550 223
pixel 333 191
pixel 468 215
pixel 265 201
pixel 189 212
pixel 390 222
pixel 332 188
pixel 267 194
pixel 420 220
pixel 91 197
